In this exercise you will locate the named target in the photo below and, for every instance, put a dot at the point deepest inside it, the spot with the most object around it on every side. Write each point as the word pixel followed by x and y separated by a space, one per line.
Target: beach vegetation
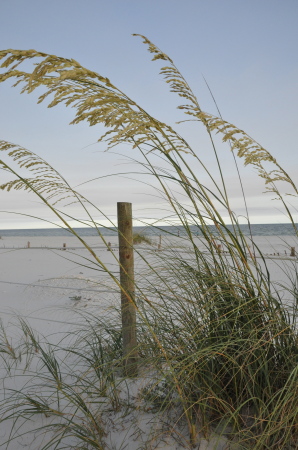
pixel 139 238
pixel 217 343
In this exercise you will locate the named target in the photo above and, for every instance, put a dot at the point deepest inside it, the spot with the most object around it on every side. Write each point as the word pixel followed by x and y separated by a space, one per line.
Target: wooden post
pixel 159 245
pixel 293 253
pixel 28 244
pixel 64 246
pixel 128 310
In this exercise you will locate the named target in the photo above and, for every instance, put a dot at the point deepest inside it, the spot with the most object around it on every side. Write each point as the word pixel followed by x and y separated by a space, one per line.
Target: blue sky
pixel 247 51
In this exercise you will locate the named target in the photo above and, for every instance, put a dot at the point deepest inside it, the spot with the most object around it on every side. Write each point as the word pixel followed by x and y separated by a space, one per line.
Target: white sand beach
pixel 48 284
pixel 46 276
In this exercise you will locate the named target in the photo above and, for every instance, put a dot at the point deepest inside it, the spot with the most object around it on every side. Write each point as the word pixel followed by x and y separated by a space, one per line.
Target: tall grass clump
pixel 213 331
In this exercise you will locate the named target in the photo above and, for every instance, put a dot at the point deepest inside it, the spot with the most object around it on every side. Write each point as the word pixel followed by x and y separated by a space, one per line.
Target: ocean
pixel 281 229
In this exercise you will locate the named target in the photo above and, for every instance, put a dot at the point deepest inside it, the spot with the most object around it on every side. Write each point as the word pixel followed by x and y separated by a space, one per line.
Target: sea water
pixel 271 229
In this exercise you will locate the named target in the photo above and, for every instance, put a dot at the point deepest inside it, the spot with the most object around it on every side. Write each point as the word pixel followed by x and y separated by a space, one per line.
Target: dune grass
pixel 215 340
pixel 139 238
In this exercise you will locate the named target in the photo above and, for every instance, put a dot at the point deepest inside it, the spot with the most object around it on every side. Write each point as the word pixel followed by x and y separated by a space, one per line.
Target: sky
pixel 246 50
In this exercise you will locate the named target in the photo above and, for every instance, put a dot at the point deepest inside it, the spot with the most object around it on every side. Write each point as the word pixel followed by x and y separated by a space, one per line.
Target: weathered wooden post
pixel 128 310
pixel 159 245
pixel 293 252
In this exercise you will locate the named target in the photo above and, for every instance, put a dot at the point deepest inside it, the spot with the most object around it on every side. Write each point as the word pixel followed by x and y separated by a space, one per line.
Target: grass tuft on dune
pixel 217 346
